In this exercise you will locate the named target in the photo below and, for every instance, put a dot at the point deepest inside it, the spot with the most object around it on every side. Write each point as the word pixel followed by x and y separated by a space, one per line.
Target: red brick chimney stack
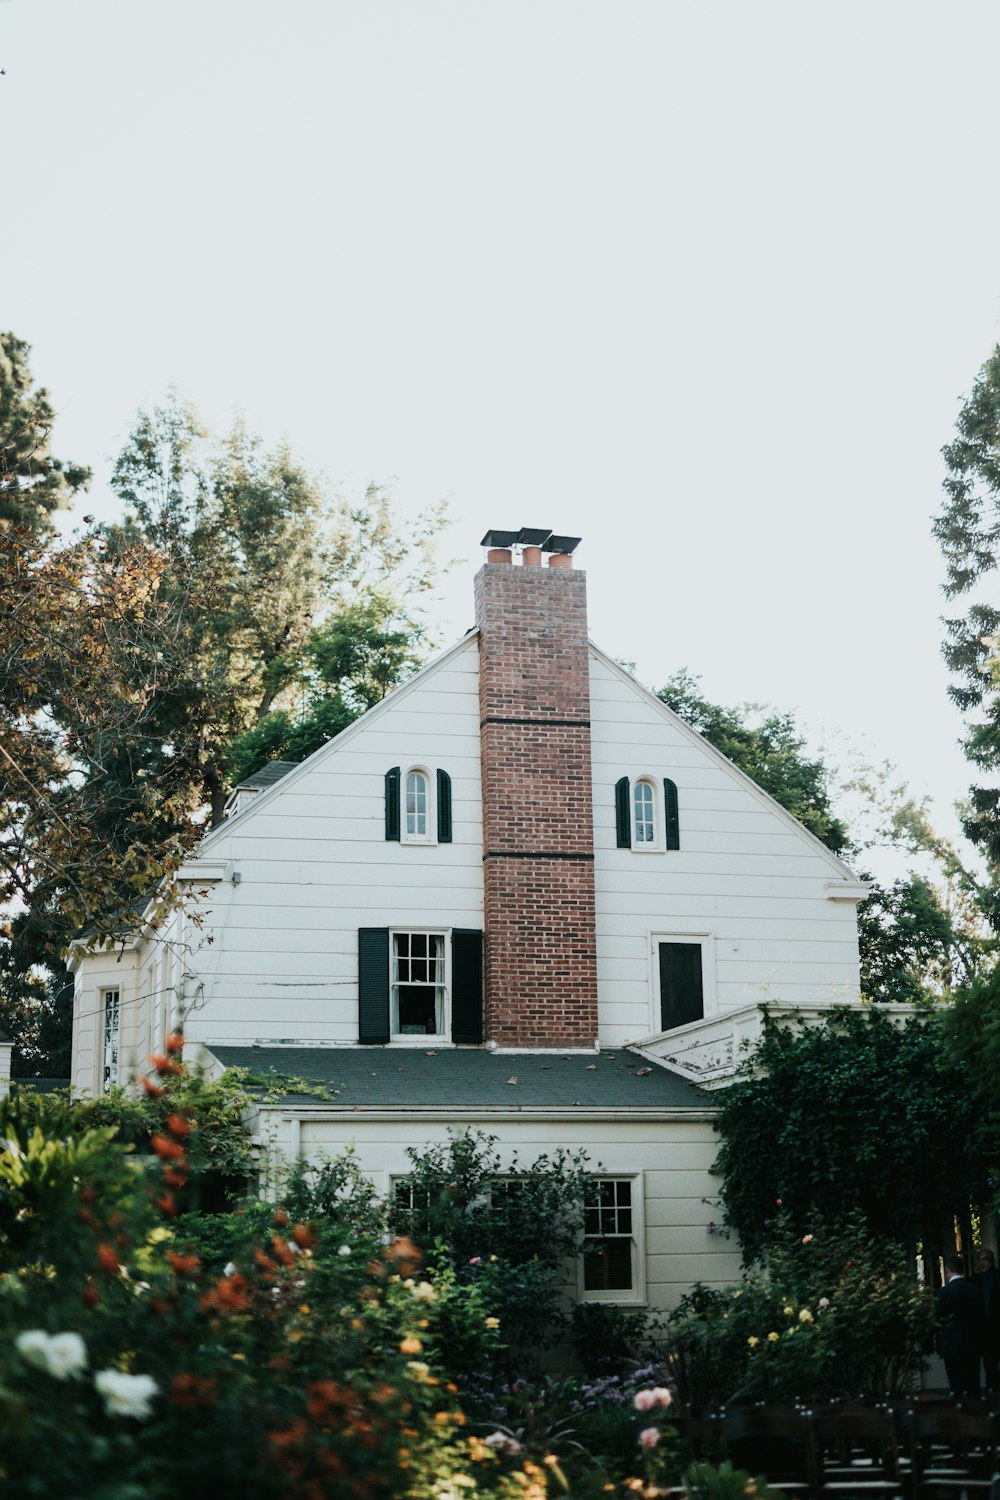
pixel 538 840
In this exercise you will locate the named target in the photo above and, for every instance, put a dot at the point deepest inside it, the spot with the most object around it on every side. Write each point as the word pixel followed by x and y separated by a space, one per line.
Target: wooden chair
pixel 952 1450
pixel 775 1442
pixel 857 1453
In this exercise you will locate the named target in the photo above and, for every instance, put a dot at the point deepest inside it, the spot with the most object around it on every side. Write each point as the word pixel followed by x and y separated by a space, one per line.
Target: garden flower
pixel 788 1311
pixel 823 1302
pixel 649 1437
pixel 502 1442
pixel 772 1338
pixel 805 1316
pixel 418 1369
pixel 492 1322
pixel 125 1395
pixel 60 1355
pixel 655 1396
pixel 807 1239
pixel 344 1250
pixel 410 1345
pixel 753 1342
pixel 476 1260
pixel 424 1292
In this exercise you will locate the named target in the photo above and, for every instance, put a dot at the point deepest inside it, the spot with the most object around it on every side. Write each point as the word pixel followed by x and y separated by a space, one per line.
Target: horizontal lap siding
pixel 675 1159
pixel 315 866
pixel 742 873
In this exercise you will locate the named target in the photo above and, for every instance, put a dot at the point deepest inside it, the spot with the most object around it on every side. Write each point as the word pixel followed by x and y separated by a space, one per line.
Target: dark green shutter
pixel 623 814
pixel 670 807
pixel 444 807
pixel 373 984
pixel 392 804
pixel 466 985
pixel 681 989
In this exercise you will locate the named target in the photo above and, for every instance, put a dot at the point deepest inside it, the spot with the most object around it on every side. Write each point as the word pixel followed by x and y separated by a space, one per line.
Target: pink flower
pixel 476 1260
pixel 655 1396
pixel 807 1239
pixel 649 1437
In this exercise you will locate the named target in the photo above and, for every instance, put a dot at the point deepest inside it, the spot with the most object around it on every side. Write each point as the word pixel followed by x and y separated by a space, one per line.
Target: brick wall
pixel 538 839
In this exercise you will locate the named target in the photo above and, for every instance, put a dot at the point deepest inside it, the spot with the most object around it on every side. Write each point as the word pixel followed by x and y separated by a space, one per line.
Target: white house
pixel 519 894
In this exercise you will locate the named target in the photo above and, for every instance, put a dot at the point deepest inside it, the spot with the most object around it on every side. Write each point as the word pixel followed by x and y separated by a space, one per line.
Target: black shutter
pixel 623 814
pixel 466 985
pixel 444 807
pixel 681 991
pixel 373 984
pixel 670 807
pixel 392 804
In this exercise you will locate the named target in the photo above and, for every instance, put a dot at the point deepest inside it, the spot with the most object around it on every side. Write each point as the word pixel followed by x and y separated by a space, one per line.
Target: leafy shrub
pixel 608 1340
pixel 838 1312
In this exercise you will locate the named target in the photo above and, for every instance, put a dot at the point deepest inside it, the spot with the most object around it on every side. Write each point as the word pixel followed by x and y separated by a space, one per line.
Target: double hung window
pixel 417 1000
pixel 611 1260
pixel 112 1038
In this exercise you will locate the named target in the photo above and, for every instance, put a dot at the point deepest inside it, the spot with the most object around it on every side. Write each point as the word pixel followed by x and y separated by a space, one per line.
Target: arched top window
pixel 646 815
pixel 417 805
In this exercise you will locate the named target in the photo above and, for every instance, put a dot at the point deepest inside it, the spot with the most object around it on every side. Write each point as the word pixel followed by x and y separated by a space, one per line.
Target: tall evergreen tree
pixel 33 483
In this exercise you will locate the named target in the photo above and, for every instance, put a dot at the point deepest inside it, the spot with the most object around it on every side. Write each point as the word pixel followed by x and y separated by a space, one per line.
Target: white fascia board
pixel 843 871
pixel 81 948
pixel 323 1115
pixel 846 890
pixel 203 871
pixel 370 716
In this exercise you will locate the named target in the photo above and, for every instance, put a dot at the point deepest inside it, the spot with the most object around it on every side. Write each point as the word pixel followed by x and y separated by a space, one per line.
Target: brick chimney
pixel 538 836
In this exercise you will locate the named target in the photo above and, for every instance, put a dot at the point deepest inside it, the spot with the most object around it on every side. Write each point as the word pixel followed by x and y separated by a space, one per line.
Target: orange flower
pixel 180 1124
pixel 230 1294
pixel 327 1398
pixel 406 1255
pixel 168 1149
pixel 282 1250
pixel 154 1090
pixel 287 1436
pixel 167 1204
pixel 280 1218
pixel 164 1064
pixel 189 1390
pixel 183 1265
pixel 173 1178
pixel 108 1260
pixel 410 1345
pixel 304 1236
pixel 91 1296
pixel 264 1260
pixel 174 1042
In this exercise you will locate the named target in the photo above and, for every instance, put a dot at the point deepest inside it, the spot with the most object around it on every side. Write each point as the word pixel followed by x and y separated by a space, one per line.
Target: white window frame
pixel 429 836
pixel 635 1296
pixel 111 1038
pixel 657 844
pixel 403 1038
pixel 709 999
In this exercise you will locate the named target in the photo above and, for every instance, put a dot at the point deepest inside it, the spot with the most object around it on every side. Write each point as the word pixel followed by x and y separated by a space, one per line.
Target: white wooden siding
pixel 743 873
pixel 674 1158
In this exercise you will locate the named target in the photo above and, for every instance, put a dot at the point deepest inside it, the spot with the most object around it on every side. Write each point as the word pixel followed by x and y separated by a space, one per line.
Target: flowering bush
pixel 838 1312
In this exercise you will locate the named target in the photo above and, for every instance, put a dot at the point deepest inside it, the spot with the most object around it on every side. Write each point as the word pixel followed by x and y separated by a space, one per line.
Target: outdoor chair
pixel 857 1453
pixel 951 1450
pixel 773 1441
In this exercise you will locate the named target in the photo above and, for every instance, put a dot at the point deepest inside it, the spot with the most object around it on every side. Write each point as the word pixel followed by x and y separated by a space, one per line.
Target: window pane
pixel 609 1267
pixel 681 987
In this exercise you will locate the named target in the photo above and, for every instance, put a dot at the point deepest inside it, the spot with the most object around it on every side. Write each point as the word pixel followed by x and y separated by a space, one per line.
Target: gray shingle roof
pixel 472 1078
pixel 268 774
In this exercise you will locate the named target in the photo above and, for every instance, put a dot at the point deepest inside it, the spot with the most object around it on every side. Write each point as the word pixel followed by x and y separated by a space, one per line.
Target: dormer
pixel 246 791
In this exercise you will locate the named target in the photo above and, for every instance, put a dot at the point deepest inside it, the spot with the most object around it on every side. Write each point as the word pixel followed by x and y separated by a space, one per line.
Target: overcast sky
pixel 702 283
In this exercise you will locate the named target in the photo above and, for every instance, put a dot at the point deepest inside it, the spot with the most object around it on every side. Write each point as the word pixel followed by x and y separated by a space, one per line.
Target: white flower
pixel 61 1355
pixel 229 1269
pixel 503 1442
pixel 344 1250
pixel 648 1400
pixel 424 1292
pixel 125 1395
pixel 823 1302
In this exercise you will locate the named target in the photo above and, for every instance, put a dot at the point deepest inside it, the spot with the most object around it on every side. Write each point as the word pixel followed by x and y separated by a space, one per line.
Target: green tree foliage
pixel 33 483
pixel 968 530
pixel 971 1029
pixel 852 1113
pixel 771 752
pixel 911 946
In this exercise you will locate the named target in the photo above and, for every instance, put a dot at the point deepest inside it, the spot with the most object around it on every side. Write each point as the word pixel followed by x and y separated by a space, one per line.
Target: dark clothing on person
pixel 959 1307
pixel 988 1283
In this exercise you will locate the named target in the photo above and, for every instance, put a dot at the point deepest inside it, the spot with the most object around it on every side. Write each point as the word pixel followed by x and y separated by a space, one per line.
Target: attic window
pixel 417 805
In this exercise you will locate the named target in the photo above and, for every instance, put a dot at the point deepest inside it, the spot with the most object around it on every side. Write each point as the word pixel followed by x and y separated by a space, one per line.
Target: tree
pixel 854 1113
pixel 33 483
pixel 771 752
pixel 968 529
pixel 911 945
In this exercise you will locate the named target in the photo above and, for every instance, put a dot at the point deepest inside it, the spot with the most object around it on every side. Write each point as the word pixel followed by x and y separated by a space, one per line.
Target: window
pixel 684 977
pixel 415 984
pixel 418 984
pixel 639 822
pixel 643 825
pixel 112 1037
pixel 417 806
pixel 611 1263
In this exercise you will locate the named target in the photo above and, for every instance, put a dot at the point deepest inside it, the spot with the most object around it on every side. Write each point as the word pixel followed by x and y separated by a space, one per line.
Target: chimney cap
pixel 533 536
pixel 499 539
pixel 562 544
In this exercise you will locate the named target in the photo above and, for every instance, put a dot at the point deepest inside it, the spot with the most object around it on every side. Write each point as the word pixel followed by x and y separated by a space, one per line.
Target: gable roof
pixel 379 1078
pixel 747 782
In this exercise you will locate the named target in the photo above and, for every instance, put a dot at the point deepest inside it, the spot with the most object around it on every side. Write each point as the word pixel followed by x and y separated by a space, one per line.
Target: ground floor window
pixel 112 1037
pixel 612 1239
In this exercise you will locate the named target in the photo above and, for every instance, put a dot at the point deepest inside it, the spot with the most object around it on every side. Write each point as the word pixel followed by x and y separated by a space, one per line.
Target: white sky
pixel 701 283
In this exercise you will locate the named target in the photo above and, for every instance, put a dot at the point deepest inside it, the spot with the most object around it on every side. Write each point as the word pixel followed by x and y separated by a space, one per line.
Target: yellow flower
pixel 805 1316
pixel 493 1322
pixel 418 1369
pixel 753 1342
pixel 772 1338
pixel 788 1311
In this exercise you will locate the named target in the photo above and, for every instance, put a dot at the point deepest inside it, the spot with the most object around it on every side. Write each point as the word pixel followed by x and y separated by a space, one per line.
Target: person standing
pixel 987 1279
pixel 959 1309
